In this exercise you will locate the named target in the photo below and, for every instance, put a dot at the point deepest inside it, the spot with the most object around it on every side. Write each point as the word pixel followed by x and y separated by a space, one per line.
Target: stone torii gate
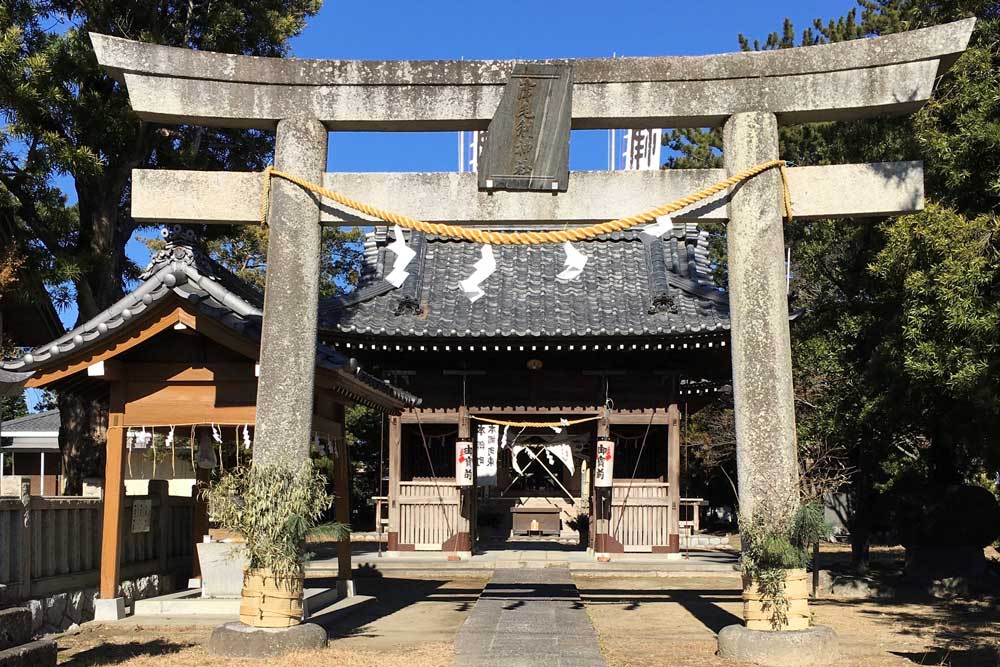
pixel 749 94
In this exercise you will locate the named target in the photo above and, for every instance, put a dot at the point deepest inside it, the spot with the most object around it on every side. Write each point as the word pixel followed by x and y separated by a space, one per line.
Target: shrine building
pixel 176 363
pixel 536 350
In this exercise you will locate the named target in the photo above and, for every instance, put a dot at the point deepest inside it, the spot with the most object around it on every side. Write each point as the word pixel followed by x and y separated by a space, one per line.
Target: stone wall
pixel 63 612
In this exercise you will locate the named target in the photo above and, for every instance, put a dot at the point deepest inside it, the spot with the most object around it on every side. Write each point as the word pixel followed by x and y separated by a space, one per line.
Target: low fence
pixel 53 544
pixel 428 512
pixel 640 510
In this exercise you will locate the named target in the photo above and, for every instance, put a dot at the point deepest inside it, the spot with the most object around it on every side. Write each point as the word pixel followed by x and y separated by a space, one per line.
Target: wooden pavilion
pixel 180 352
pixel 535 349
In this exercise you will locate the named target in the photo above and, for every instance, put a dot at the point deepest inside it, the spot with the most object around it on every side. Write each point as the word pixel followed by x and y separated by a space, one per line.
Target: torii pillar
pixel 764 402
pixel 288 351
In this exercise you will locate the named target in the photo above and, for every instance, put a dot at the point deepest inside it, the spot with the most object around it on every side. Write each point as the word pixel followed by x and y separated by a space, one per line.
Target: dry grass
pixel 184 647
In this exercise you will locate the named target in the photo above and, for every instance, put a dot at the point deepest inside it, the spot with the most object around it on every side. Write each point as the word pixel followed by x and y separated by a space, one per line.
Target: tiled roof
pixel 185 270
pixel 632 285
pixel 40 422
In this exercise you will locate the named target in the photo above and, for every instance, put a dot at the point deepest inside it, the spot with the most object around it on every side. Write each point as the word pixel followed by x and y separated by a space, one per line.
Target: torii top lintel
pixel 855 79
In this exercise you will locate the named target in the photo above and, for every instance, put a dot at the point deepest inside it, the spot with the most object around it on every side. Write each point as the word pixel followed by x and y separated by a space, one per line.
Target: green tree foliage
pixel 366 432
pixel 896 353
pixel 66 117
pixel 67 121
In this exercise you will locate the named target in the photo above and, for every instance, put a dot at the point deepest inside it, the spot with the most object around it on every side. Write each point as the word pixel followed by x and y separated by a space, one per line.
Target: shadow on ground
pixel 107 654
pixel 391 595
pixel 963 632
pixel 703 604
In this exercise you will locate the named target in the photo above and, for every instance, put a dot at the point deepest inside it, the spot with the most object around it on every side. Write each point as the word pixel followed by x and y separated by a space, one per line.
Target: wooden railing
pixel 53 544
pixel 640 512
pixel 428 512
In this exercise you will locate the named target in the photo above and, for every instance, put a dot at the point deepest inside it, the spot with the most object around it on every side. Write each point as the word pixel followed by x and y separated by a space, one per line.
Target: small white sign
pixel 604 466
pixel 487 446
pixel 463 463
pixel 142 508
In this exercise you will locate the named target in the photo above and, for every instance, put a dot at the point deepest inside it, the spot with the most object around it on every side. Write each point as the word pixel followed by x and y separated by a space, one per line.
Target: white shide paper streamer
pixel 404 255
pixel 662 225
pixel 575 261
pixel 484 268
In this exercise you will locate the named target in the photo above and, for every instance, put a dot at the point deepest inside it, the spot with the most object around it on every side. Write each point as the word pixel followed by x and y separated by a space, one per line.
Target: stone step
pixel 191 603
pixel 33 654
pixel 15 627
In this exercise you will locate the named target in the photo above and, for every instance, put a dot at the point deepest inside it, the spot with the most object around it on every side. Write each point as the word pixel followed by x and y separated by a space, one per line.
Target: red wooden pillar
pixel 114 496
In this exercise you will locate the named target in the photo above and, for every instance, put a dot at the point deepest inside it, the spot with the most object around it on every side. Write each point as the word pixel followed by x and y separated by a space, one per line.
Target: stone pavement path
pixel 531 618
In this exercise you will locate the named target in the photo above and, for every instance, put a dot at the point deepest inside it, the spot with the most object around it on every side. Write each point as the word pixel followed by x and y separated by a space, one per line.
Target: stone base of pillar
pixel 817 645
pixel 109 609
pixel 236 640
pixel 345 588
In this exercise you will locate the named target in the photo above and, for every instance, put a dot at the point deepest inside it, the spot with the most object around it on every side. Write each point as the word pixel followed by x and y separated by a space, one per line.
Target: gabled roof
pixel 632 285
pixel 182 269
pixel 41 422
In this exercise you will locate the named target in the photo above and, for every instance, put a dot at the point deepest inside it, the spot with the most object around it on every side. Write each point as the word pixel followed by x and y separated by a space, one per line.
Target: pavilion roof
pixel 632 286
pixel 182 269
pixel 39 422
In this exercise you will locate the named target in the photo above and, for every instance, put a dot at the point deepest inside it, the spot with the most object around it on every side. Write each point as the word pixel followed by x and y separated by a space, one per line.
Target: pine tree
pixel 67 118
pixel 895 355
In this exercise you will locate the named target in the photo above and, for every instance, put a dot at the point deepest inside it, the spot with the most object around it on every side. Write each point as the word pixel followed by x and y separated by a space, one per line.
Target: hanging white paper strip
pixel 484 268
pixel 564 453
pixel 487 446
pixel 575 261
pixel 662 225
pixel 404 255
pixel 564 423
pixel 514 451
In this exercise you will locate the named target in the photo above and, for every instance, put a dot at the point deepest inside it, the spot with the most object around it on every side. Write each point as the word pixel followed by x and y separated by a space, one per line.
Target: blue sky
pixel 436 29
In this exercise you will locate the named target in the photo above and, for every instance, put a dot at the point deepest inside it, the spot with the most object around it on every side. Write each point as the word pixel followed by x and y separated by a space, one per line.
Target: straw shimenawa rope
pixel 492 237
pixel 516 424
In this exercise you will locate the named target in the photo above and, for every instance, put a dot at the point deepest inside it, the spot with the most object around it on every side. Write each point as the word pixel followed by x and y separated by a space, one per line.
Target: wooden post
pixel 602 499
pixel 26 541
pixel 462 539
pixel 159 492
pixel 342 491
pixel 674 478
pixel 395 472
pixel 114 494
pixel 199 518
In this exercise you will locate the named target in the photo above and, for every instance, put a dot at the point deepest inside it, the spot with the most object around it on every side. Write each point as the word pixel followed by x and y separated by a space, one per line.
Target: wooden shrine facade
pixel 181 352
pixel 534 349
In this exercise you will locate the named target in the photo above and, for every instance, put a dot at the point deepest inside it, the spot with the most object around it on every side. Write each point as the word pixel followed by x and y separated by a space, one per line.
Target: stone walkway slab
pixel 531 618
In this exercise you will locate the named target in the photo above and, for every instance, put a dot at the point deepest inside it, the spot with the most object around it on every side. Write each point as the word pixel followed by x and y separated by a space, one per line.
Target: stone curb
pixel 817 645
pixel 236 640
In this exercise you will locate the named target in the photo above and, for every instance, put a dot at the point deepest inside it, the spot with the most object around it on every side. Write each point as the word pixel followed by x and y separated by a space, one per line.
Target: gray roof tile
pixel 183 269
pixel 40 422
pixel 632 285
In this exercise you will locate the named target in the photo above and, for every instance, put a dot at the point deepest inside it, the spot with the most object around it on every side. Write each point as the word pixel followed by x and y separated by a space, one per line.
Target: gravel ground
pixel 673 621
pixel 639 621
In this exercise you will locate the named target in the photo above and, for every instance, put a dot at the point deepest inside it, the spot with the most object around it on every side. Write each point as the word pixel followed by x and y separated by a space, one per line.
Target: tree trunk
pixel 82 437
pixel 861 521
